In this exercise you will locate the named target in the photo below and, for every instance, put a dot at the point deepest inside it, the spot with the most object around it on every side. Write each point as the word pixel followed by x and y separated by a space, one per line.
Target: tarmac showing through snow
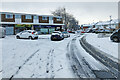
pixel 79 65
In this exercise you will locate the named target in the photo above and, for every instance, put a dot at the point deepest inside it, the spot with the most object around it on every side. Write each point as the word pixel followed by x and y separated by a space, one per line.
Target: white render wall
pixel 50 20
pixel 35 20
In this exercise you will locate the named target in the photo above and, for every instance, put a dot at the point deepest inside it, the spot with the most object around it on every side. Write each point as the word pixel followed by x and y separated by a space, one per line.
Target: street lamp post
pixel 110 21
pixel 65 27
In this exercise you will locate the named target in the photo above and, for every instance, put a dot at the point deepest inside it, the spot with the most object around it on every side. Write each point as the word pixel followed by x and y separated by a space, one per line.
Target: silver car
pixel 30 34
pixel 66 34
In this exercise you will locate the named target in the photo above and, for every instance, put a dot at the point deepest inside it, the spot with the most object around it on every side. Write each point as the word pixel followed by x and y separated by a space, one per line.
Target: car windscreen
pixel 55 32
pixel 116 30
pixel 64 32
pixel 29 31
pixel 32 31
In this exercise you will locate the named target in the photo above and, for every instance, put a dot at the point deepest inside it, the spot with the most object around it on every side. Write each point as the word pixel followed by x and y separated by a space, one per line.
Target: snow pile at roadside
pixel 104 44
pixel 93 63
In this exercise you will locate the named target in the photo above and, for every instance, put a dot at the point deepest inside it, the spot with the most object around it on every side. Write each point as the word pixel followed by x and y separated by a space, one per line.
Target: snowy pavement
pixel 40 58
pixel 105 45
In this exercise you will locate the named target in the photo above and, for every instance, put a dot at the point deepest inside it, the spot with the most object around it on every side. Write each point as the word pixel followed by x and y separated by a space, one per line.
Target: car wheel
pixel 30 37
pixel 51 39
pixel 17 37
pixel 115 39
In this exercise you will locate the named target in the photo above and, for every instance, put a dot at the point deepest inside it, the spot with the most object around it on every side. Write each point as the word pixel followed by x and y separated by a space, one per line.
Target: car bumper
pixel 56 38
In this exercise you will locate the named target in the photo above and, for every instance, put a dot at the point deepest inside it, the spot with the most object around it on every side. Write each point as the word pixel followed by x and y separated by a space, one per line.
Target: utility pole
pixel 110 21
pixel 65 27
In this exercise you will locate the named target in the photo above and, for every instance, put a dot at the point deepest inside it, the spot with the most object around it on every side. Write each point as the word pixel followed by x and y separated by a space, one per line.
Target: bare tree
pixel 68 19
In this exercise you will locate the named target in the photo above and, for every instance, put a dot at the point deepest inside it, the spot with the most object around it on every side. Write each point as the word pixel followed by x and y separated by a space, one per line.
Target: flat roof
pixel 24 13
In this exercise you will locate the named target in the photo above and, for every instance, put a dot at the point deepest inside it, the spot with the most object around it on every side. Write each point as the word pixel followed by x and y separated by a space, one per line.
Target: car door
pixel 119 34
pixel 23 34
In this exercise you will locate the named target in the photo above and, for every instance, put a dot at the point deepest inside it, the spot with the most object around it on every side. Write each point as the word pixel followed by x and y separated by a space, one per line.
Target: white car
pixel 30 34
pixel 2 32
pixel 66 34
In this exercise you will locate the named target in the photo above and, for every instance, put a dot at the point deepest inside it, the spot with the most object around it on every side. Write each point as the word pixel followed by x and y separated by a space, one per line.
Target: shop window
pixel 44 18
pixel 9 16
pixel 44 30
pixel 28 17
pixel 51 30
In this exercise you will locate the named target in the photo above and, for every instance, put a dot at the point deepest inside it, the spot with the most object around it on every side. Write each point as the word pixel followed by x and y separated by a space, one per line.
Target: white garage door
pixel 9 30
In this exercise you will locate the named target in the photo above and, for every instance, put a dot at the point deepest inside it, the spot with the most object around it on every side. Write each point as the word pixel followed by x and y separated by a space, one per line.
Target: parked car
pixel 65 34
pixel 72 32
pixel 2 32
pixel 105 30
pixel 30 34
pixel 115 37
pixel 57 35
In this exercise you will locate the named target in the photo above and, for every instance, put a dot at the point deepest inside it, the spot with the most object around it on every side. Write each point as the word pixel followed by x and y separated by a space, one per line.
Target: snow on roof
pixel 95 28
pixel 93 23
pixel 86 25
pixel 101 27
pixel 114 21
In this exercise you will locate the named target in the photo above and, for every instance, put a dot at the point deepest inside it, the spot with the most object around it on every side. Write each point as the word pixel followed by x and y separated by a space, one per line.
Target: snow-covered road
pixel 43 58
pixel 40 58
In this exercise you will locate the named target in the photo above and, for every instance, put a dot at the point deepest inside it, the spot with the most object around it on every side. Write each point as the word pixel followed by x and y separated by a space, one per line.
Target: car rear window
pixel 29 31
pixel 55 32
pixel 34 31
pixel 65 32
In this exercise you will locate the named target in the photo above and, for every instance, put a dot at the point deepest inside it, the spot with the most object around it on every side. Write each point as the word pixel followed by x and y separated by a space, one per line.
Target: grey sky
pixel 84 12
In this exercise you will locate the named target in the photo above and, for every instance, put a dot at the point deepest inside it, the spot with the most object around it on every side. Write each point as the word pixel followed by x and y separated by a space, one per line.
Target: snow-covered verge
pixel 40 58
pixel 104 44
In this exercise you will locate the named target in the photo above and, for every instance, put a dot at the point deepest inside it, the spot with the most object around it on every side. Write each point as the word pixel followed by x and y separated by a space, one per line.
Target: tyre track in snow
pixel 78 63
pixel 19 68
pixel 49 66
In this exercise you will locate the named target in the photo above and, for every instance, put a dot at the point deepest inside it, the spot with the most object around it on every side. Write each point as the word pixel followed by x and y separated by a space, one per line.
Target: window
pixel 17 16
pixel 28 17
pixel 59 19
pixel 44 18
pixel 9 16
pixel 35 17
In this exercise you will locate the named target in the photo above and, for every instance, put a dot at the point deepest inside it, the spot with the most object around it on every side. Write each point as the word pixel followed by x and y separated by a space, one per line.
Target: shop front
pixel 22 27
pixel 46 29
pixel 9 29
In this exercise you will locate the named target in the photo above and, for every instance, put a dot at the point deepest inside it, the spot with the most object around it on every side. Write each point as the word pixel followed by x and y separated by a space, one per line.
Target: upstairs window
pixel 35 17
pixel 9 16
pixel 17 16
pixel 59 19
pixel 44 18
pixel 28 17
